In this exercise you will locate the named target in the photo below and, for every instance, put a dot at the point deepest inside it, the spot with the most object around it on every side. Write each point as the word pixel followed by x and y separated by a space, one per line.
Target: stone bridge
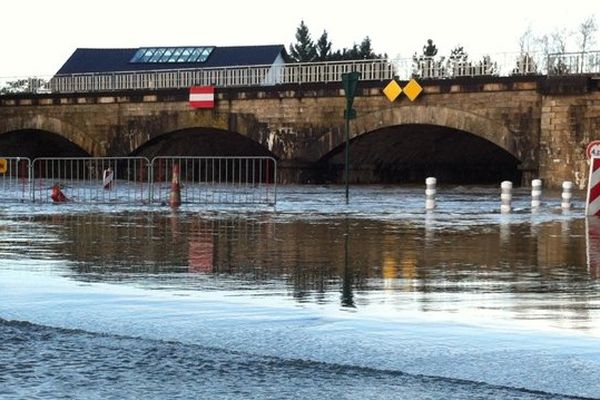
pixel 469 130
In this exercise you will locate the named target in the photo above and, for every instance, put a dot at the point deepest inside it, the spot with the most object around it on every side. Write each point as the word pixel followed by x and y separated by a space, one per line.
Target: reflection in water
pixel 593 246
pixel 348 275
pixel 504 231
pixel 530 270
pixel 201 251
pixel 389 272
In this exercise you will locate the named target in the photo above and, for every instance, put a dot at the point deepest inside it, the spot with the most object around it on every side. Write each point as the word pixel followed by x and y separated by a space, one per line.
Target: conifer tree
pixel 365 51
pixel 304 49
pixel 323 48
pixel 430 49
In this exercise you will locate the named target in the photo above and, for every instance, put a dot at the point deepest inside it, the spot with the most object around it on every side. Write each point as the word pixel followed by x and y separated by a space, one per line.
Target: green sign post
pixel 349 83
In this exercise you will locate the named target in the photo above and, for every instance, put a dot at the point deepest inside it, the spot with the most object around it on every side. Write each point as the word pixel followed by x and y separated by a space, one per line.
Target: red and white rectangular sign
pixel 202 96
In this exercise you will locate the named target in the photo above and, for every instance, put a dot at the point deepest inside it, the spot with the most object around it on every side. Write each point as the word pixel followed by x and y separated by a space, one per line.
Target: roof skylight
pixel 171 55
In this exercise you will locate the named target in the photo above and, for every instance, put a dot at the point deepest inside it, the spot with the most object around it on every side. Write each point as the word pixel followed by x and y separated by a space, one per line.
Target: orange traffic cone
pixel 175 199
pixel 57 195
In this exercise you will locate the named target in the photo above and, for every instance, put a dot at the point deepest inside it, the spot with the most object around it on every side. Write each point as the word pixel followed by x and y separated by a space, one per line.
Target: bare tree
pixel 525 63
pixel 527 41
pixel 558 40
pixel 586 32
pixel 554 46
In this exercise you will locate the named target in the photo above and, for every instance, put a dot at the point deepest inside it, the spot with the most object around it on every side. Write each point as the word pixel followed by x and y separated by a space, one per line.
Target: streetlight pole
pixel 350 83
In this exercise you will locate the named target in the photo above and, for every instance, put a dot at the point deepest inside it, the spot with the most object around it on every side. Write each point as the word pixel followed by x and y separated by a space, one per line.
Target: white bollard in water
pixel 536 193
pixel 506 196
pixel 567 195
pixel 430 192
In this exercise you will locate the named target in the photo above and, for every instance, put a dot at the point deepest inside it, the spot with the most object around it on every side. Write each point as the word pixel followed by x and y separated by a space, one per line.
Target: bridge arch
pixel 201 141
pixel 409 143
pixel 446 117
pixel 159 126
pixel 54 126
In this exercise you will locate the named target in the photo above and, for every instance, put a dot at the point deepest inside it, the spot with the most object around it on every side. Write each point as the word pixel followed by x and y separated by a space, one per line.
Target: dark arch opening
pixel 201 142
pixel 410 153
pixel 35 143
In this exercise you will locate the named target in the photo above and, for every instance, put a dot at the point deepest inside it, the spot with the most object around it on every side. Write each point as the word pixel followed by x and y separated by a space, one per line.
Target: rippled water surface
pixel 310 299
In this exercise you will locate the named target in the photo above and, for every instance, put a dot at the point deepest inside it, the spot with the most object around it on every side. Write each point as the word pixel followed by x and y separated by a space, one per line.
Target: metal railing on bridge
pixel 420 67
pixel 136 180
pixel 260 75
pixel 574 63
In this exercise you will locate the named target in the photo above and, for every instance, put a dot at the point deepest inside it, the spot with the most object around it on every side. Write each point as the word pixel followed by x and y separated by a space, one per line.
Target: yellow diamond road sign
pixel 392 90
pixel 412 90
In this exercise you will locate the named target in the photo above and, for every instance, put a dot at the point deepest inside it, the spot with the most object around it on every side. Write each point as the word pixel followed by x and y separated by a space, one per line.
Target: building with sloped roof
pixel 169 67
pixel 84 61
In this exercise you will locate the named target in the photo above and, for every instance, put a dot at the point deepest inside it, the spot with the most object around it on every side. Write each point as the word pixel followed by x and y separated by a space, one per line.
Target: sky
pixel 37 36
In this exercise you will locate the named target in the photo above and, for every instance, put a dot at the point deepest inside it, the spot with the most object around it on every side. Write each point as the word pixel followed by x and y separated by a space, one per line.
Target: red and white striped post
pixel 592 204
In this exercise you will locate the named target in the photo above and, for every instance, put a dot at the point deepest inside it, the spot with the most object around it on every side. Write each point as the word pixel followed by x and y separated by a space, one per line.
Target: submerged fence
pixel 137 180
pixel 14 178
pixel 91 180
pixel 217 180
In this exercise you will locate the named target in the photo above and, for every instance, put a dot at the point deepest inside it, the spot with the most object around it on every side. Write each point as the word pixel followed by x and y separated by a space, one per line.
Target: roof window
pixel 171 55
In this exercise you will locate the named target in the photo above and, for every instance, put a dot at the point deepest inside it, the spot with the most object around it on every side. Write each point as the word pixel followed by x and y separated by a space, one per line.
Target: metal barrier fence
pixel 217 180
pixel 136 180
pixel 15 178
pixel 91 180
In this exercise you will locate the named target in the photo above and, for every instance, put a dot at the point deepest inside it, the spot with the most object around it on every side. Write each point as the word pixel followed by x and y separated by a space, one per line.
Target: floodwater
pixel 312 298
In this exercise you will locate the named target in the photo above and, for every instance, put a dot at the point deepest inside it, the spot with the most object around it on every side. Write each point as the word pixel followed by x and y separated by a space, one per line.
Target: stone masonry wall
pixel 299 119
pixel 568 124
pixel 549 127
pixel 116 126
